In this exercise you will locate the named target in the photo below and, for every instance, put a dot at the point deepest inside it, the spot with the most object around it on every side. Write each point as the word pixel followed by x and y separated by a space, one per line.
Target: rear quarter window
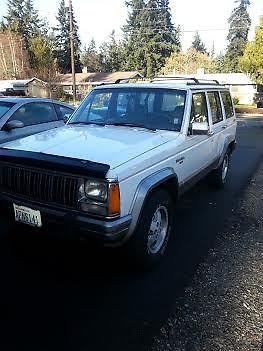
pixel 228 105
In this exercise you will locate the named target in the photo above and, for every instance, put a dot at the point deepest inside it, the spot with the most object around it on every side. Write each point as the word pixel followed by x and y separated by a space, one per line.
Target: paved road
pixel 61 295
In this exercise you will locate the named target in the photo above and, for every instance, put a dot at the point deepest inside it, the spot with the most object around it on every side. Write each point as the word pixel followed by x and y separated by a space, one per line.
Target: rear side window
pixel 35 113
pixel 199 111
pixel 215 105
pixel 228 105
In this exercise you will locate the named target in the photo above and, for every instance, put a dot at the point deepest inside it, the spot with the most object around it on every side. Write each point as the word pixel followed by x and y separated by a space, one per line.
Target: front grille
pixel 38 185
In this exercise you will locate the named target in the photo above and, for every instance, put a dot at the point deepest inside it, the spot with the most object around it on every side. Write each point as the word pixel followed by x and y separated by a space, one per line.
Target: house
pixel 240 84
pixel 38 88
pixel 86 80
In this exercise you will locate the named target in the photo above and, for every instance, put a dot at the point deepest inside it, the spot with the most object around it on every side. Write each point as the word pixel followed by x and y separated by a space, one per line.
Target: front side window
pixel 228 105
pixel 215 105
pixel 199 111
pixel 152 108
pixel 35 113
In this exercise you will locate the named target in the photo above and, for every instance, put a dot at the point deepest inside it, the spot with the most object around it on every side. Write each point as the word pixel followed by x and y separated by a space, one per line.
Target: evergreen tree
pixel 198 44
pixel 239 22
pixel 42 58
pixel 23 18
pixel 113 54
pixel 91 58
pixel 150 36
pixel 132 36
pixel 62 41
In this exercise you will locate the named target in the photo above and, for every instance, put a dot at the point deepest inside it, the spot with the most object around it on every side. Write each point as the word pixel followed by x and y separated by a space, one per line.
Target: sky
pixel 97 18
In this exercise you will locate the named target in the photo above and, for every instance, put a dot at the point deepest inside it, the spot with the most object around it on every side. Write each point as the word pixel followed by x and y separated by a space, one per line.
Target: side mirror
pixel 67 117
pixel 201 128
pixel 13 125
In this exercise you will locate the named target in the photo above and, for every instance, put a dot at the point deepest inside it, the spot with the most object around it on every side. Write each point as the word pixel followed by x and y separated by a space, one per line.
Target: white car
pixel 117 169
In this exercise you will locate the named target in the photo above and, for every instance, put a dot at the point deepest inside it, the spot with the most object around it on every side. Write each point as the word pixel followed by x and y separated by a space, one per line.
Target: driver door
pixel 198 149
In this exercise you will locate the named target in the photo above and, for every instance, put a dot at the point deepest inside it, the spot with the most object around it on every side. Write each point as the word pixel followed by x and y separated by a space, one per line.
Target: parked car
pixel 117 169
pixel 20 117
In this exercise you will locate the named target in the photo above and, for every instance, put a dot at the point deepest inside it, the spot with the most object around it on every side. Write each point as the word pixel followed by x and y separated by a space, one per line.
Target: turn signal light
pixel 114 200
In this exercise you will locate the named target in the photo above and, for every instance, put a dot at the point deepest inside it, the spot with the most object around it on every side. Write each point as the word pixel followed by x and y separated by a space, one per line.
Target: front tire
pixel 149 241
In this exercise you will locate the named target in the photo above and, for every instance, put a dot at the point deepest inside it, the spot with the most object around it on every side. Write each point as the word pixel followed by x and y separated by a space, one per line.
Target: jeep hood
pixel 109 145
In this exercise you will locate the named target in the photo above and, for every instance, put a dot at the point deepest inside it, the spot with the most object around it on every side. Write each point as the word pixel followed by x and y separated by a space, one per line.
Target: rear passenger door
pixel 230 116
pixel 217 117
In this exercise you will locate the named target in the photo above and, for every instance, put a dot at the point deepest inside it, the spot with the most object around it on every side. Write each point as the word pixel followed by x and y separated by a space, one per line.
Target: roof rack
pixel 190 80
pixel 162 78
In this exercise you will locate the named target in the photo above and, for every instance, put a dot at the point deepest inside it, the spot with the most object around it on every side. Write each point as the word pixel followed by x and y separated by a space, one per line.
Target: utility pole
pixel 71 34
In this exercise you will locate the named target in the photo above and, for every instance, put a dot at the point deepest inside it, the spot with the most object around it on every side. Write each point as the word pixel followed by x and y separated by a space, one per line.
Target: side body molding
pixel 143 190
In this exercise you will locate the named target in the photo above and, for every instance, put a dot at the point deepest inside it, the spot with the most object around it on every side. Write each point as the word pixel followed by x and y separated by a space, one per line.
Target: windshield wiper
pixel 88 123
pixel 131 125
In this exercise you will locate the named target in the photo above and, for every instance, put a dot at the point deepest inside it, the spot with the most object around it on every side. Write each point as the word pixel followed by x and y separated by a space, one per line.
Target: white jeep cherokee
pixel 116 170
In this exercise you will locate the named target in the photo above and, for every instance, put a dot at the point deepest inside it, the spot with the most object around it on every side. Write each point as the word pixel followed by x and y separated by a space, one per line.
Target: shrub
pixel 235 100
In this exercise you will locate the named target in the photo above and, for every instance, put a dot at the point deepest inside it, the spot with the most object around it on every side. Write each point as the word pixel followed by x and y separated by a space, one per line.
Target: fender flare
pixel 229 141
pixel 143 190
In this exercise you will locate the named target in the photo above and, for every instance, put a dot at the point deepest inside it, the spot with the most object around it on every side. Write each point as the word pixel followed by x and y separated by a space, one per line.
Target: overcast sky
pixel 97 18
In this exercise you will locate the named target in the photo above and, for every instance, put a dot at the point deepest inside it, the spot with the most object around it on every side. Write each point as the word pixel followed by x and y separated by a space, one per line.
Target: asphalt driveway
pixel 63 295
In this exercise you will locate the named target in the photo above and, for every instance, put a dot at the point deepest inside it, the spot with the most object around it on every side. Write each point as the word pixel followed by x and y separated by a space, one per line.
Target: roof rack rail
pixel 207 81
pixel 161 78
pixel 194 80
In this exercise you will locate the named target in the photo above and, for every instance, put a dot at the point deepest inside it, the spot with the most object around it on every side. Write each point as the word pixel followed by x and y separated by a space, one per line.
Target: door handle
pixel 211 133
pixel 225 126
pixel 180 160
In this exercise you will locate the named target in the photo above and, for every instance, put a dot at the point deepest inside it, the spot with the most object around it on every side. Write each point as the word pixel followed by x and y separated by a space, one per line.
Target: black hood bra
pixel 54 163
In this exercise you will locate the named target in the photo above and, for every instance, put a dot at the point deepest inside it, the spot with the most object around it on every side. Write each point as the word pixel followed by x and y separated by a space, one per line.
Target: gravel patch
pixel 223 308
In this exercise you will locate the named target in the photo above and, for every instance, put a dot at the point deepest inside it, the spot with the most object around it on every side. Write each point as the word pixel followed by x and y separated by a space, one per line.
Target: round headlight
pixel 96 190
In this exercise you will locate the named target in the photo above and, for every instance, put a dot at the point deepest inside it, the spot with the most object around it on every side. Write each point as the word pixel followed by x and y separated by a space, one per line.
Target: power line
pixel 152 30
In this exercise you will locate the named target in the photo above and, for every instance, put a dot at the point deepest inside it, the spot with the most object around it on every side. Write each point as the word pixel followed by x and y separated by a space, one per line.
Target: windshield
pixel 148 108
pixel 5 107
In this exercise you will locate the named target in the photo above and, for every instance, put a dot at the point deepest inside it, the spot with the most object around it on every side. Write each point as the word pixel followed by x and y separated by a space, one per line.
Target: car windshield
pixel 5 107
pixel 151 108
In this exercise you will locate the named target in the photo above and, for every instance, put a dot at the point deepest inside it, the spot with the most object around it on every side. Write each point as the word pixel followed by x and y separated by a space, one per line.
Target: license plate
pixel 27 216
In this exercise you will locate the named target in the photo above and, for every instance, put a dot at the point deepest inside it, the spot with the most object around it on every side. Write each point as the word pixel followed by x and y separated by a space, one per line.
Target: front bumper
pixel 76 224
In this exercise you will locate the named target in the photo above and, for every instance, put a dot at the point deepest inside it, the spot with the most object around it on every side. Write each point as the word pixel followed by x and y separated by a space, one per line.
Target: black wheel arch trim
pixel 145 187
pixel 229 144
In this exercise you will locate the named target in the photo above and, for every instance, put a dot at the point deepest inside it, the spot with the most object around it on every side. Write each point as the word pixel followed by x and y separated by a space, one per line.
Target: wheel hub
pixel 158 230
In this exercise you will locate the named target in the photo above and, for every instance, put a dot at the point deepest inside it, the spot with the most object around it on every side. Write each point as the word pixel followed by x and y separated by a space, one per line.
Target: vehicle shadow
pixel 64 294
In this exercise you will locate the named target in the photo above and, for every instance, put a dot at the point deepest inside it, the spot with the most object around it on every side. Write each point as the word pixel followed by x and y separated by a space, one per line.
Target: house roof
pixel 35 79
pixel 97 77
